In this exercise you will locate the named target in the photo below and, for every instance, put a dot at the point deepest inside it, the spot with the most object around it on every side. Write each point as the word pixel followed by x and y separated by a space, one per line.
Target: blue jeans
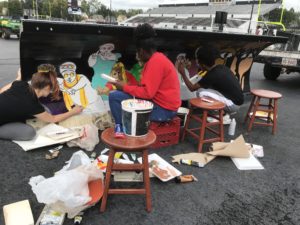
pixel 158 113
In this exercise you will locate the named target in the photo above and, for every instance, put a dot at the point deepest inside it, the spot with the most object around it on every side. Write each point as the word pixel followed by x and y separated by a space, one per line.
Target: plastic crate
pixel 167 133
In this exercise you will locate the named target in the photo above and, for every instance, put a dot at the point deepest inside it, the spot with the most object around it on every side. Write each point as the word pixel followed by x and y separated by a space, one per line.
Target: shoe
pixel 119 131
pixel 226 120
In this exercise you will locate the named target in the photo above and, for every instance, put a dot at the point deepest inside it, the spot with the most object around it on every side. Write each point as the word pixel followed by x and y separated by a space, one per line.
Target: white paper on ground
pixel 250 163
pixel 18 213
pixel 41 140
pixel 170 171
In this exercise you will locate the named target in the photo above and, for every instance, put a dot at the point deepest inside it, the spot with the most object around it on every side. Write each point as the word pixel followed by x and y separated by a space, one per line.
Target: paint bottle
pixel 77 220
pixel 231 130
pixel 190 162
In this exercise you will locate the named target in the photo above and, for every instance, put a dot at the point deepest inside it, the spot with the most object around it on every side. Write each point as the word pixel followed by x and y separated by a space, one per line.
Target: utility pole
pixel 50 9
pixel 251 17
pixel 110 12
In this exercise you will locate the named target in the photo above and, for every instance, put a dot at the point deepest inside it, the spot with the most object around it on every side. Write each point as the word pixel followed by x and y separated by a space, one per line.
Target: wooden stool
pixel 128 144
pixel 269 108
pixel 206 107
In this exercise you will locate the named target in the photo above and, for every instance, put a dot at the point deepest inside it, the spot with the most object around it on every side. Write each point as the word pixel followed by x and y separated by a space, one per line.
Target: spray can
pixel 232 126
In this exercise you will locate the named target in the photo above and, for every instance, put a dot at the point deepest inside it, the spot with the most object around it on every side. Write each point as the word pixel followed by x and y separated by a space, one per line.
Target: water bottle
pixel 232 126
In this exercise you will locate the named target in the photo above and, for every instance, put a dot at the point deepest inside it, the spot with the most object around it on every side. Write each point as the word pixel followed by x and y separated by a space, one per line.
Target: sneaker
pixel 119 131
pixel 226 120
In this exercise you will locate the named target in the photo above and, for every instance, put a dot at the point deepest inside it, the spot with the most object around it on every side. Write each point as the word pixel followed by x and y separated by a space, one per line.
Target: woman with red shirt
pixel 159 82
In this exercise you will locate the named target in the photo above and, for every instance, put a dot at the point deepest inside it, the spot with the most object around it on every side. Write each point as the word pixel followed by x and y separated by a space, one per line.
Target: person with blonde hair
pixel 20 101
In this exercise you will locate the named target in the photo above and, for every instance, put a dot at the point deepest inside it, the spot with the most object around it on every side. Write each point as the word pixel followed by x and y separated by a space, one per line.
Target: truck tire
pixel 6 34
pixel 271 72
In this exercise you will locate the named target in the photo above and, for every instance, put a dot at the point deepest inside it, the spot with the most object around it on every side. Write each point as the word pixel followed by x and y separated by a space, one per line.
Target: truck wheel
pixel 270 72
pixel 6 34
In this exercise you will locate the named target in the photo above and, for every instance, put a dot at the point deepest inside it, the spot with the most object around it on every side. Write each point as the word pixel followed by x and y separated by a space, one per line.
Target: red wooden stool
pixel 128 144
pixel 270 108
pixel 207 107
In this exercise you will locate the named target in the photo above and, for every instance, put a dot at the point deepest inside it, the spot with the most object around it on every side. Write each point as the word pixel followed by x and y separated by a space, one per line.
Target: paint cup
pixel 136 116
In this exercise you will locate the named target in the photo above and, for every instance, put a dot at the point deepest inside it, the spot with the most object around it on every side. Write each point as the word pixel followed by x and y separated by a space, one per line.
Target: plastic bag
pixel 78 158
pixel 89 138
pixel 68 190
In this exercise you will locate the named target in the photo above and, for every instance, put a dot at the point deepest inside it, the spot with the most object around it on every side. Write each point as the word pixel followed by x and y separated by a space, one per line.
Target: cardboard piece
pixel 201 158
pixel 42 139
pixel 18 213
pixel 237 149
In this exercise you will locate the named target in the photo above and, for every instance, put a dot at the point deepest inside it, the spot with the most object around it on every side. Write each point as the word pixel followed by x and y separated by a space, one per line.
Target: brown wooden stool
pixel 207 107
pixel 270 108
pixel 128 144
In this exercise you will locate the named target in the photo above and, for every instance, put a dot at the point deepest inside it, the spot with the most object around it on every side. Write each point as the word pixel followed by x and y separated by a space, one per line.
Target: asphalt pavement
pixel 223 194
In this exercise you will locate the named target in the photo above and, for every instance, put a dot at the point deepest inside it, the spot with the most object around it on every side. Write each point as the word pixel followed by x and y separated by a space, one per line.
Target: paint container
pixel 185 179
pixel 136 116
pixel 190 162
pixel 77 220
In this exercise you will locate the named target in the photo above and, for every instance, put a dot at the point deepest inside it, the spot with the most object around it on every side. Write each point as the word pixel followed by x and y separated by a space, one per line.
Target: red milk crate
pixel 167 133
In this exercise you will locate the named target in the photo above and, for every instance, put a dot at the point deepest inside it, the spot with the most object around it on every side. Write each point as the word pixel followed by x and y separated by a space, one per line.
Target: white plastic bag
pixel 68 190
pixel 89 138
pixel 78 158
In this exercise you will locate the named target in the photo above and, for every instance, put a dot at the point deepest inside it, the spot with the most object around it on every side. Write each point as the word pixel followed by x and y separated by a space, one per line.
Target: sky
pixel 146 4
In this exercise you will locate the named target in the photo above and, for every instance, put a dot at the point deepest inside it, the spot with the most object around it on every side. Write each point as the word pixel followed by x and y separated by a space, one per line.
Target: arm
pixel 47 117
pixel 188 83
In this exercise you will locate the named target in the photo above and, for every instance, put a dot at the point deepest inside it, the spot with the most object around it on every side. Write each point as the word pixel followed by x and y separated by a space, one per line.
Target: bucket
pixel 182 113
pixel 136 116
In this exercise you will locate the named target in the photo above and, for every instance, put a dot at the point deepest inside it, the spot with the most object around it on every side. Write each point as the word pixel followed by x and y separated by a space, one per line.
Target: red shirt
pixel 159 83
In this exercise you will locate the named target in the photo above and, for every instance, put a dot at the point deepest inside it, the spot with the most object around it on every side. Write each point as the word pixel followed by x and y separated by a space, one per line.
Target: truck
pixel 9 26
pixel 281 58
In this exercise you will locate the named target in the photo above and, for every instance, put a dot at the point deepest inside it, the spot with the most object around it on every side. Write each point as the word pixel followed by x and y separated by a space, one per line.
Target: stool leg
pixel 202 130
pixel 250 109
pixel 107 178
pixel 256 104
pixel 269 113
pixel 147 180
pixel 275 116
pixel 221 125
pixel 186 126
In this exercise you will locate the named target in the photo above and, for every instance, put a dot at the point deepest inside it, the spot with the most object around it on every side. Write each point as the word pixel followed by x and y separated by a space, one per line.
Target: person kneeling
pixel 20 101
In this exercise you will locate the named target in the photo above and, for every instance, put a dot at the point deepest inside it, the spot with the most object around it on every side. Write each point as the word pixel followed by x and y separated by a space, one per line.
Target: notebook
pixel 250 163
pixel 18 213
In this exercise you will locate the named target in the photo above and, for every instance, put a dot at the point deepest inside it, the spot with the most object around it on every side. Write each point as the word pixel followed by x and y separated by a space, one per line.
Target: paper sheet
pixel 161 168
pixel 41 140
pixel 250 163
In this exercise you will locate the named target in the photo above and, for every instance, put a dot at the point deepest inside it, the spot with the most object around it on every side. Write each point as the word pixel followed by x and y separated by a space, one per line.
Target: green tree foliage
pixel 14 8
pixel 58 8
pixel 288 19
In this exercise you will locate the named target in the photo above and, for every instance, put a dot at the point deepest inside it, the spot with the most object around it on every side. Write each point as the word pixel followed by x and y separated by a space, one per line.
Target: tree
pixel 289 16
pixel 14 8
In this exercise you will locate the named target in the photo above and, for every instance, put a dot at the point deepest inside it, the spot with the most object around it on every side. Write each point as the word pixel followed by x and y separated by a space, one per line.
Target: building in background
pixel 201 16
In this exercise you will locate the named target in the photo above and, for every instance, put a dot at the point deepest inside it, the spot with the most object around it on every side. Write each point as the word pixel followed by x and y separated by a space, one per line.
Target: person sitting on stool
pixel 218 83
pixel 159 82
